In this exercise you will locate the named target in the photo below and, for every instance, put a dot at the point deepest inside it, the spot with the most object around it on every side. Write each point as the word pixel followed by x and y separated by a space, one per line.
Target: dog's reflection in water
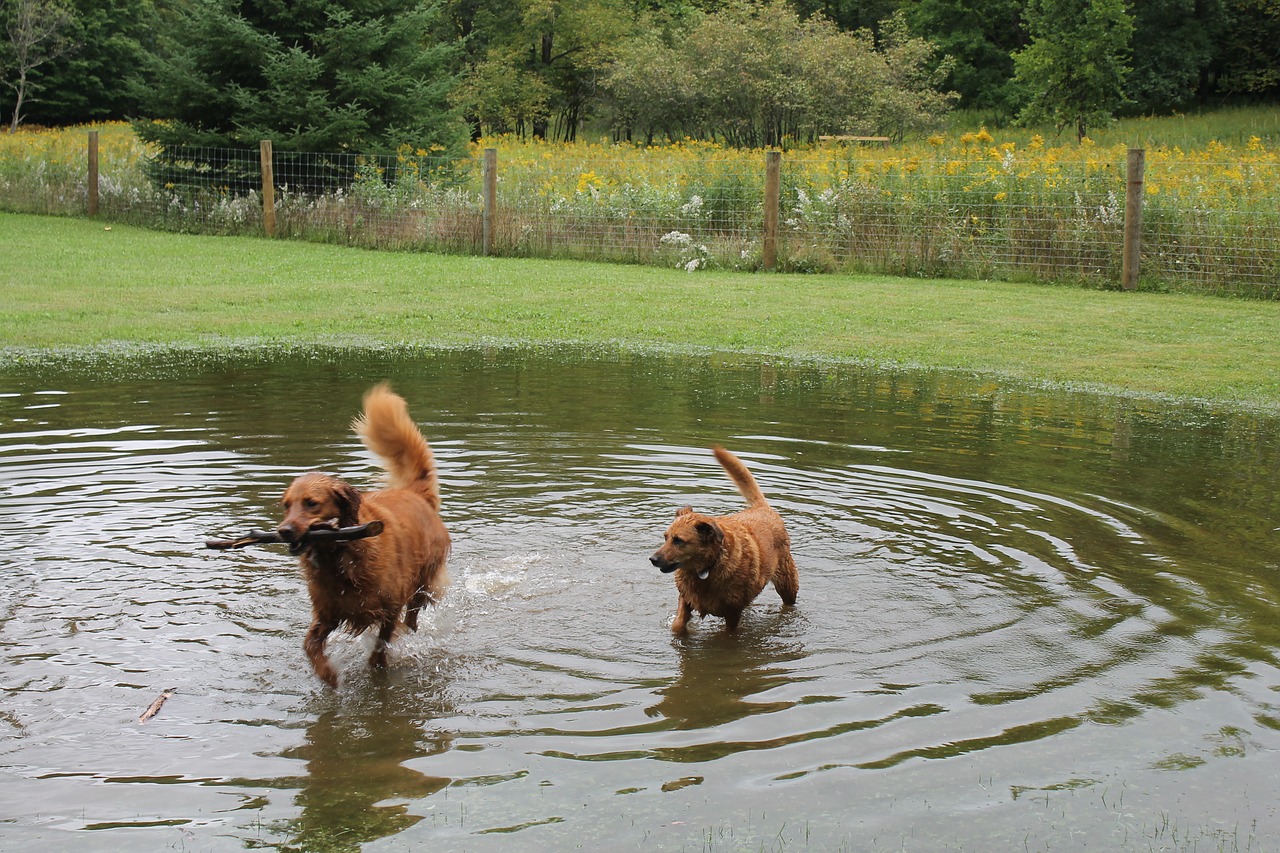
pixel 721 672
pixel 356 760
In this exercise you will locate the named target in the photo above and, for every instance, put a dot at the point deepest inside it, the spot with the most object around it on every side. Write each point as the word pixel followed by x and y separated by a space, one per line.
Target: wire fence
pixel 1205 223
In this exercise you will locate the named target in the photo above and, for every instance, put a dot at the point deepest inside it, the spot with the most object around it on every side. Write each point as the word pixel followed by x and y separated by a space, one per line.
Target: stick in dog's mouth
pixel 326 531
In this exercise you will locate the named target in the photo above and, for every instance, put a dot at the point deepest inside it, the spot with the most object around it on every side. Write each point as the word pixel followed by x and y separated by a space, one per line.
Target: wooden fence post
pixel 1132 219
pixel 93 173
pixel 490 200
pixel 268 188
pixel 772 197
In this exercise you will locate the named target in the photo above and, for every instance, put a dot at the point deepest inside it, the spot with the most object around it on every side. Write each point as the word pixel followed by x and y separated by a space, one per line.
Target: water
pixel 1026 621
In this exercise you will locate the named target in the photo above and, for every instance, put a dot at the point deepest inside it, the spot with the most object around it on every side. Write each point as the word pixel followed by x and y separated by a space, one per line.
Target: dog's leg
pixel 378 660
pixel 731 620
pixel 314 647
pixel 415 604
pixel 683 611
pixel 786 581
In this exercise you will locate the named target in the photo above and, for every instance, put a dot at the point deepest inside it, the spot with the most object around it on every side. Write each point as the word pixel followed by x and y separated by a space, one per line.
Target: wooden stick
pixel 315 534
pixel 154 707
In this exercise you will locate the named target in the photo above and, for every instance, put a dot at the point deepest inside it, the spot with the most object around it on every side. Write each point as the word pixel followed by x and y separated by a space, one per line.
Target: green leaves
pixel 755 74
pixel 1074 70
pixel 323 77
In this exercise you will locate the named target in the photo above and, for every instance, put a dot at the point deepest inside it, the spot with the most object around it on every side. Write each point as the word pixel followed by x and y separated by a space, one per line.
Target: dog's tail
pixel 741 477
pixel 388 431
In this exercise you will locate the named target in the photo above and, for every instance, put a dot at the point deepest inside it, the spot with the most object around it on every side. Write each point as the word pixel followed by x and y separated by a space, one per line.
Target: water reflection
pixel 356 762
pixel 724 677
pixel 1002 592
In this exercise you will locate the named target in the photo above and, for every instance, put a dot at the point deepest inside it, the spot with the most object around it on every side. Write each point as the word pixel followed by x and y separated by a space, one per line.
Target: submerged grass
pixel 75 283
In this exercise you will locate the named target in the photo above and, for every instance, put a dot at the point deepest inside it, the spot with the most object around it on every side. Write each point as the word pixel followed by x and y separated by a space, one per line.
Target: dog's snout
pixel 663 565
pixel 287 532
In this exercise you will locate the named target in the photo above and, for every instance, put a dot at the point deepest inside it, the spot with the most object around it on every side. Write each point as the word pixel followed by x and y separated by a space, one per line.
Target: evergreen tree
pixel 90 83
pixel 322 76
pixel 1073 72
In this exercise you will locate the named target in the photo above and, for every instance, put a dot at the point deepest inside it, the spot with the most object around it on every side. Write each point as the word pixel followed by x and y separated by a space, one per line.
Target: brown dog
pixel 367 582
pixel 723 563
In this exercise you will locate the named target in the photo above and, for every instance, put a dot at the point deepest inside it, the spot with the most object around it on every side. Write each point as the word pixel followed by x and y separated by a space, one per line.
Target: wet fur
pixel 366 583
pixel 739 554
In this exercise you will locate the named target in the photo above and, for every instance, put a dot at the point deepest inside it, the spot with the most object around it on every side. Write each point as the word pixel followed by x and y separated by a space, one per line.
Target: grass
pixel 75 283
pixel 1015 205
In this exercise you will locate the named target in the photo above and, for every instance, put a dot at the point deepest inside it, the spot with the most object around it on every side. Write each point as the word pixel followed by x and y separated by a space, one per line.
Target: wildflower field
pixel 961 204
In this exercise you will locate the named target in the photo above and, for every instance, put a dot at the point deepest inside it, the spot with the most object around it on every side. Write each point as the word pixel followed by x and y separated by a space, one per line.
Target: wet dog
pixel 722 563
pixel 368 583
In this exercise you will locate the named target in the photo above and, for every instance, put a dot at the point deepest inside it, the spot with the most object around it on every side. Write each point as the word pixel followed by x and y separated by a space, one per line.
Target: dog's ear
pixel 348 501
pixel 710 532
pixel 684 510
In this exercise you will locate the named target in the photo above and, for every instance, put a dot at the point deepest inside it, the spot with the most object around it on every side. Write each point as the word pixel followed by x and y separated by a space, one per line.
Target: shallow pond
pixel 1031 621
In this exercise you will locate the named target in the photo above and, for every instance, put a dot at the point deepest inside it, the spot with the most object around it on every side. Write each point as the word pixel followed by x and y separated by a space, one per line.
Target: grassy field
pixel 77 283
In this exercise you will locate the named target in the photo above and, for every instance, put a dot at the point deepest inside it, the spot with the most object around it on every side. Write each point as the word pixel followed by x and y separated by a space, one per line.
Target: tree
pixel 1172 48
pixel 912 98
pixel 1073 72
pixel 849 15
pixel 1250 48
pixel 534 63
pixel 37 32
pixel 90 83
pixel 755 74
pixel 981 37
pixel 313 76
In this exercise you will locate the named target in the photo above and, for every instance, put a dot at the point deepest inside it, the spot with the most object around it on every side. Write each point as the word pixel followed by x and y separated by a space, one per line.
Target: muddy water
pixel 1047 621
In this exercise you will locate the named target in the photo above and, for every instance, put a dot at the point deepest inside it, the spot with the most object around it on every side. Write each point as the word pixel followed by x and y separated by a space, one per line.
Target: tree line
pixel 370 75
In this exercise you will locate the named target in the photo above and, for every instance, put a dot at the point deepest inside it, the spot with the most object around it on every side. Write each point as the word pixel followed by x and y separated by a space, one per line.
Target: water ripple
pixel 976 626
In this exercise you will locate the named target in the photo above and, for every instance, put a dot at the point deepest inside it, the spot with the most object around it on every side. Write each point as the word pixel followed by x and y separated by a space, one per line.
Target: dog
pixel 368 582
pixel 722 563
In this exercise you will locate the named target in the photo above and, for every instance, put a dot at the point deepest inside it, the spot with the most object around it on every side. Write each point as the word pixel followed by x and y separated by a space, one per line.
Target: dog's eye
pixel 676 540
pixel 311 503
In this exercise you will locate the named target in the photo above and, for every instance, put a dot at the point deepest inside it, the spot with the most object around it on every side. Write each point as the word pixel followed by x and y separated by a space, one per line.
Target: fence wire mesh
pixel 409 200
pixel 953 218
pixel 1208 221
pixel 1213 224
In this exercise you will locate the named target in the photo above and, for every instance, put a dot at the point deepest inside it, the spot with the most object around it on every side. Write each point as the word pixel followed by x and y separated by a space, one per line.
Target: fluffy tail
pixel 741 477
pixel 388 431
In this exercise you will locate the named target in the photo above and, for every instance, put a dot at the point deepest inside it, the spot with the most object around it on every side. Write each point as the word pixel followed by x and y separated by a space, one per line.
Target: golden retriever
pixel 722 563
pixel 367 582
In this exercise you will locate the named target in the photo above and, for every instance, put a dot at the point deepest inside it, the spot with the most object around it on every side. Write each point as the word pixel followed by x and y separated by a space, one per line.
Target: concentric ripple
pixel 1023 619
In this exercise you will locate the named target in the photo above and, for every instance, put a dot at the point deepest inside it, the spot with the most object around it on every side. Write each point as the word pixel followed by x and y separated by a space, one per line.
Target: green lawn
pixel 75 282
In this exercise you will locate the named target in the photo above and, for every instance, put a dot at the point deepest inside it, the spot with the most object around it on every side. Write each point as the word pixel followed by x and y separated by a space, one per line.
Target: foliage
pixel 755 74
pixel 36 32
pixel 980 37
pixel 1073 72
pixel 1172 47
pixel 90 83
pixel 1251 54
pixel 311 77
pixel 378 73
pixel 533 63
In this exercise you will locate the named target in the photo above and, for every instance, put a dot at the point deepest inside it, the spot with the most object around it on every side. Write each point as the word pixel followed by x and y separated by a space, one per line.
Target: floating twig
pixel 154 707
